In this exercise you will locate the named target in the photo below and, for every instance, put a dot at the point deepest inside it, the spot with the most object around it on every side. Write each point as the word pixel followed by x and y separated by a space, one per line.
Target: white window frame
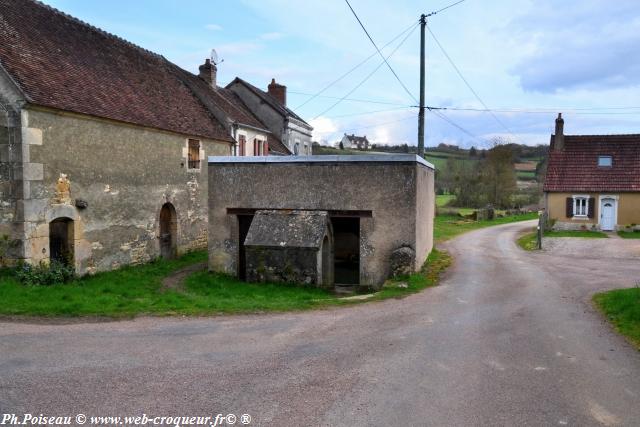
pixel 576 198
pixel 605 157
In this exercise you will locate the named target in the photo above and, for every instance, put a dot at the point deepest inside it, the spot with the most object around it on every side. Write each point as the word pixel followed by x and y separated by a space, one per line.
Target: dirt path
pixel 509 338
pixel 175 280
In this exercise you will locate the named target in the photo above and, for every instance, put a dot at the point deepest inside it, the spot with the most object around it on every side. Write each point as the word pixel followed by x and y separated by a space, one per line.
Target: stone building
pixel 340 217
pixel 355 142
pixel 271 108
pixel 102 145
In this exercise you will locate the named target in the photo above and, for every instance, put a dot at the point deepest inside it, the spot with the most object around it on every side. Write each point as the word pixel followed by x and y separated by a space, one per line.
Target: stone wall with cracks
pixel 119 177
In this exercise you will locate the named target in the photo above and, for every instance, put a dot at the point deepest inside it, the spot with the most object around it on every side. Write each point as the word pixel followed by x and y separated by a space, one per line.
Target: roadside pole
pixel 423 24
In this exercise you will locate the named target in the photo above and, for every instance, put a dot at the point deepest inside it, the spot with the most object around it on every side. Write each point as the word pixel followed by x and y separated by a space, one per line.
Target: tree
pixel 473 152
pixel 341 145
pixel 498 175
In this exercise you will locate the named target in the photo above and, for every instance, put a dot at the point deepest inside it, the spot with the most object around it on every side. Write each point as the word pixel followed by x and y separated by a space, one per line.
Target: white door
pixel 608 214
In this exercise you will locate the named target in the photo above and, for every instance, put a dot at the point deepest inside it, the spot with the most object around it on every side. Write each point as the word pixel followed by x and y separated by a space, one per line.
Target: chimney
pixel 278 91
pixel 208 73
pixel 558 140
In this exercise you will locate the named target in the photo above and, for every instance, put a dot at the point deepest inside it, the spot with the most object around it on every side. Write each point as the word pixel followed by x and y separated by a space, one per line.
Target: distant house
pixel 593 181
pixel 355 142
pixel 271 108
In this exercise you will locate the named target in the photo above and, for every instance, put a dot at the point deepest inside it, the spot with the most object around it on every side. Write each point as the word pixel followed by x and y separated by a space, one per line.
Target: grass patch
pixel 576 233
pixel 136 290
pixel 443 200
pixel 629 234
pixel 437 262
pixel 528 242
pixel 449 226
pixel 622 308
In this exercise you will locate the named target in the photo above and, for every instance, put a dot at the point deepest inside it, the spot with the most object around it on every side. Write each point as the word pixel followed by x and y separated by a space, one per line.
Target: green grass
pixel 629 234
pixel 526 175
pixel 577 233
pixel 136 290
pixel 443 199
pixel 528 242
pixel 622 308
pixel 449 226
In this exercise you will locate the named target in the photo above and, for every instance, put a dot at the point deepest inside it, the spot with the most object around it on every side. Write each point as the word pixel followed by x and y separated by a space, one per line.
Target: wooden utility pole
pixel 423 24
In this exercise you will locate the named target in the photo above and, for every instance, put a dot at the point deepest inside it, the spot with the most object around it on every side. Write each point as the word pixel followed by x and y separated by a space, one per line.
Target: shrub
pixel 44 274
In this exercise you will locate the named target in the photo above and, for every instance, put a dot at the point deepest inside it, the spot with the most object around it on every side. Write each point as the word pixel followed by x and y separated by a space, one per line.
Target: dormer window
pixel 605 161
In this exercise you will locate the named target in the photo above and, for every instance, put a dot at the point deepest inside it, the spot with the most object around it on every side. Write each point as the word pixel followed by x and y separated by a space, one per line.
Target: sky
pixel 525 59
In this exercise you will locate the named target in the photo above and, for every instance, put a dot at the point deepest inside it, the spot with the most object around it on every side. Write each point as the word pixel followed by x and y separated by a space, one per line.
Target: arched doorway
pixel 61 241
pixel 168 231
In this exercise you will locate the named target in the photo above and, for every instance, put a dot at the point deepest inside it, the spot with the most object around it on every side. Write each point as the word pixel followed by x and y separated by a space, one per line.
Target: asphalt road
pixel 509 338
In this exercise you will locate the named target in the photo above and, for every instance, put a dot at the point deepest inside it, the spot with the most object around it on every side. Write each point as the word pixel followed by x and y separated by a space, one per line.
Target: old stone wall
pixel 124 174
pixel 390 190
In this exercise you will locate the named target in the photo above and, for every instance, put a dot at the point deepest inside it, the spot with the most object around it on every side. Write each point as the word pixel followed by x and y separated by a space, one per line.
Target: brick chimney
pixel 558 140
pixel 208 73
pixel 278 91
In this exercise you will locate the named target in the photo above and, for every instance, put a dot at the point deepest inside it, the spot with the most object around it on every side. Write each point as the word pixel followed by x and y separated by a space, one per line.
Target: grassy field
pixel 622 308
pixel 449 226
pixel 629 234
pixel 585 234
pixel 443 200
pixel 137 290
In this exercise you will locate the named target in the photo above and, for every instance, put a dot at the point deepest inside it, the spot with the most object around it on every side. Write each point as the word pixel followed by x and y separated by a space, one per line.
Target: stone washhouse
pixel 334 220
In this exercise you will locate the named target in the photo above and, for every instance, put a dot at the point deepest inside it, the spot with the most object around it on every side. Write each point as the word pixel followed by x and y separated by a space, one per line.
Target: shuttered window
pixel 581 207
pixel 194 154
pixel 242 142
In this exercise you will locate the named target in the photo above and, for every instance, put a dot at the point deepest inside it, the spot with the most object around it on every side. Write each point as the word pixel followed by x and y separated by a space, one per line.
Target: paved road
pixel 509 338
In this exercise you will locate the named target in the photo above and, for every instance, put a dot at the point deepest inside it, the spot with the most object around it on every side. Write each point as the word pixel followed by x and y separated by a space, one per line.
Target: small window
pixel 194 154
pixel 580 206
pixel 605 161
pixel 242 142
pixel 296 149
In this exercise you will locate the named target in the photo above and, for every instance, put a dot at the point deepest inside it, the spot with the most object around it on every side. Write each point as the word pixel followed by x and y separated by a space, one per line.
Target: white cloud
pixel 323 128
pixel 213 27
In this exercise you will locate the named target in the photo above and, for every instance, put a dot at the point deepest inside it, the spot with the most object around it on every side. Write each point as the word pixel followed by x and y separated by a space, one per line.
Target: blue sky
pixel 542 56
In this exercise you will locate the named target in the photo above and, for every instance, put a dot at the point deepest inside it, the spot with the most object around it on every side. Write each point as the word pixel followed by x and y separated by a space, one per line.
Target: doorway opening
pixel 168 231
pixel 346 246
pixel 61 241
pixel 244 222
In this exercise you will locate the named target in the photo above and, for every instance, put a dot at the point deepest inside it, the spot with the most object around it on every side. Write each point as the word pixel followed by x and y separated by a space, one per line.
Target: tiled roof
pixel 575 168
pixel 274 103
pixel 357 139
pixel 61 62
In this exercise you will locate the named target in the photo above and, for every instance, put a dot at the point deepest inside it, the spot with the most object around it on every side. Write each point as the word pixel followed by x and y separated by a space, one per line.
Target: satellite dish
pixel 214 57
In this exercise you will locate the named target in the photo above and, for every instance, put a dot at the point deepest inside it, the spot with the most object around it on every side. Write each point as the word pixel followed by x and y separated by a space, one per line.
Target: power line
pixel 437 113
pixel 366 78
pixel 443 9
pixel 379 52
pixel 368 101
pixel 320 92
pixel 369 112
pixel 378 124
pixel 578 111
pixel 468 85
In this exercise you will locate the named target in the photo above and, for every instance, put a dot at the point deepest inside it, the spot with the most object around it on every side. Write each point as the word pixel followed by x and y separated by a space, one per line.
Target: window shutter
pixel 592 207
pixel 266 148
pixel 569 207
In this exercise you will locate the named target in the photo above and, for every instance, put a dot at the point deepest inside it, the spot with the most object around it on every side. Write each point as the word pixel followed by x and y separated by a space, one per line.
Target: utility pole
pixel 423 24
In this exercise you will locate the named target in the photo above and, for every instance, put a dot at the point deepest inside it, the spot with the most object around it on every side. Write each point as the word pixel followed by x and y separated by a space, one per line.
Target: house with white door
pixel 593 181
